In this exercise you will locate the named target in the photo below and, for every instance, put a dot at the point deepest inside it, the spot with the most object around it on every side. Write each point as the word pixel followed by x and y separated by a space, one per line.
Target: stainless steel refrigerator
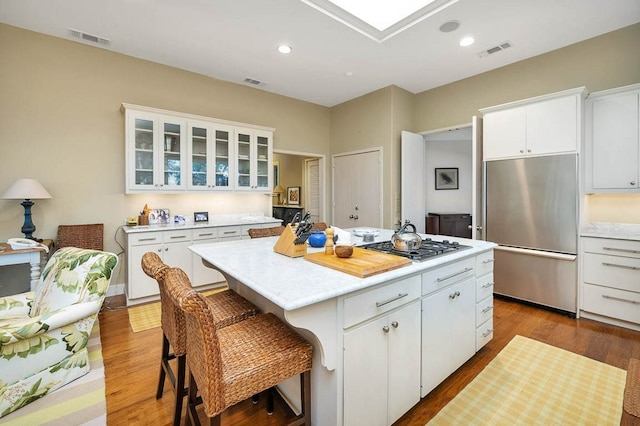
pixel 532 213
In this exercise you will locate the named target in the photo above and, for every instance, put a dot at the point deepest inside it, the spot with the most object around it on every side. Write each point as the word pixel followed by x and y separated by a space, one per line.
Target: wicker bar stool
pixel 228 365
pixel 276 231
pixel 228 306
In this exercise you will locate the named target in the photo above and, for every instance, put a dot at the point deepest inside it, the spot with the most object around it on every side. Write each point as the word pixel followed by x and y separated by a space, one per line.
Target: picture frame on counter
pixel 293 195
pixel 200 217
pixel 447 178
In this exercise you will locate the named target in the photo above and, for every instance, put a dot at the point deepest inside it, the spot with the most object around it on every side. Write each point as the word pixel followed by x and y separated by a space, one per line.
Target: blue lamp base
pixel 28 228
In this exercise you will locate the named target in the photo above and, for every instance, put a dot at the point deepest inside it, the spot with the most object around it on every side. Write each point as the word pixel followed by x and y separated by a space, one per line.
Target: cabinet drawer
pixel 205 234
pixel 627 248
pixel 612 271
pixel 624 305
pixel 484 287
pixel 229 232
pixel 484 311
pixel 484 334
pixel 484 263
pixel 176 236
pixel 367 305
pixel 145 238
pixel 446 275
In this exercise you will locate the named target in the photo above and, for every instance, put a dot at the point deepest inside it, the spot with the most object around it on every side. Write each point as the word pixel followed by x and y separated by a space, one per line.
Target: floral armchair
pixel 44 334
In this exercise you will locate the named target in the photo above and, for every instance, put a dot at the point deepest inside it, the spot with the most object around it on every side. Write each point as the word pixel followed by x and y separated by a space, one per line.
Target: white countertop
pixel 621 231
pixel 293 283
pixel 214 221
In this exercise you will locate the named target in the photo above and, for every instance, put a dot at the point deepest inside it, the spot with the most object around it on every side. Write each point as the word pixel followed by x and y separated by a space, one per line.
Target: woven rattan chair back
pixel 319 226
pixel 257 354
pixel 90 236
pixel 276 231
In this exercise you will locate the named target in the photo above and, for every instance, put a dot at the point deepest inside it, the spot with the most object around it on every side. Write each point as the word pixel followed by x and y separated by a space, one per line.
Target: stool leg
pixel 180 390
pixel 164 357
pixel 270 401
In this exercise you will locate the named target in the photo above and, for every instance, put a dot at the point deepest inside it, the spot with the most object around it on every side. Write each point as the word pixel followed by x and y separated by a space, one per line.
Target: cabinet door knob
pixel 394 324
pixel 633 183
pixel 385 328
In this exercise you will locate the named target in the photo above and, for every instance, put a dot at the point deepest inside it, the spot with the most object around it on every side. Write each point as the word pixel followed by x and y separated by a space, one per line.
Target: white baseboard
pixel 115 290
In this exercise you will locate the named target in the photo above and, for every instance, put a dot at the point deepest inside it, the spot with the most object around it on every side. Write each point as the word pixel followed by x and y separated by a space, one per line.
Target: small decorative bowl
pixel 343 250
pixel 317 239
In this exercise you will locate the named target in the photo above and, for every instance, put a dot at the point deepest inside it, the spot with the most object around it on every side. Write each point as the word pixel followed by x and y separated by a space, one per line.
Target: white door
pixel 477 183
pixel 357 190
pixel 312 197
pixel 412 180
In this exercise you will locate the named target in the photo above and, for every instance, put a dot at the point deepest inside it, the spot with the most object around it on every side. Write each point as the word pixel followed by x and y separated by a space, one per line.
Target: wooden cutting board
pixel 363 263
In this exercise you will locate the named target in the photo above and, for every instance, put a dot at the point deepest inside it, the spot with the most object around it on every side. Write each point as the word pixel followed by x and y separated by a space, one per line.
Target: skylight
pixel 379 19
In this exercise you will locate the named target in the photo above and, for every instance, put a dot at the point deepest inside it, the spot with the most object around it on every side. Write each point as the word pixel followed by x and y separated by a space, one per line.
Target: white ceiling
pixel 330 63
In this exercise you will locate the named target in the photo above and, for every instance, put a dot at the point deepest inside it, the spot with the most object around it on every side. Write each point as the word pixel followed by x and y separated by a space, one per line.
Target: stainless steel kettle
pixel 405 240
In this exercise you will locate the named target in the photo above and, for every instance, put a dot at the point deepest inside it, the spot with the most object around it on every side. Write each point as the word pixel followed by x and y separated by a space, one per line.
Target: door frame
pixel 322 161
pixel 380 152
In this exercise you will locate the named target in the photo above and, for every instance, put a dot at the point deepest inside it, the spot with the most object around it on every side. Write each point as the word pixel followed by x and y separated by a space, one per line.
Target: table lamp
pixel 27 189
pixel 278 190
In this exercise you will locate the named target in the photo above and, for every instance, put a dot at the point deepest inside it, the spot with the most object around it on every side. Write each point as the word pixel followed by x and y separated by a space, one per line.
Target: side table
pixel 33 256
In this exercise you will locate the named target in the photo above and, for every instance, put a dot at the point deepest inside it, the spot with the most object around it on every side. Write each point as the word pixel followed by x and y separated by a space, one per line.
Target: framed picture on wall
pixel 447 178
pixel 293 195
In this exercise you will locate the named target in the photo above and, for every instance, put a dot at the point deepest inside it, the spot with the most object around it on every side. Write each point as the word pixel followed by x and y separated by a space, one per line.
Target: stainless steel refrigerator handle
pixel 635 268
pixel 620 249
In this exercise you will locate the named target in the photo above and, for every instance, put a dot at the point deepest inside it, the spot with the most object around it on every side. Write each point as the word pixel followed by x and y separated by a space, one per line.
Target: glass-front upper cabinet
pixel 155 153
pixel 210 148
pixel 254 154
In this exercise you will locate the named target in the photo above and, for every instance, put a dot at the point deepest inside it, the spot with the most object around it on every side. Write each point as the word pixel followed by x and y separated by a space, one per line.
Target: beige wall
pixel 61 124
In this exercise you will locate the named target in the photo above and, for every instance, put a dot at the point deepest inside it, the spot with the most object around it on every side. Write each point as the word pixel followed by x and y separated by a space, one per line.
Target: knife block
pixel 285 244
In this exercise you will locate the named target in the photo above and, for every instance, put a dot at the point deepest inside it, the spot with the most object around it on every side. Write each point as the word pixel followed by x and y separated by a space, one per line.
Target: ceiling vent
pixel 495 49
pixel 254 82
pixel 90 38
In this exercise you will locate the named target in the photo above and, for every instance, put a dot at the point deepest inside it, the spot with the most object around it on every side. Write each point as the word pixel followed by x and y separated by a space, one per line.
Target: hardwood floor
pixel 132 363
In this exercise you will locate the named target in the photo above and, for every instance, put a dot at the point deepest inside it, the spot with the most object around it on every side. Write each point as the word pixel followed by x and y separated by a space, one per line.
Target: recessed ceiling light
pixel 284 49
pixel 447 27
pixel 467 41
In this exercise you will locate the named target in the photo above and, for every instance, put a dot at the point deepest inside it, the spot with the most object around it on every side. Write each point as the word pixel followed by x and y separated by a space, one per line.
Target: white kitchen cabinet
pixel 382 353
pixel 448 332
pixel 613 140
pixel 155 152
pixel 254 153
pixel 611 281
pixel 168 151
pixel 171 246
pixel 210 154
pixel 203 274
pixel 484 298
pixel 543 125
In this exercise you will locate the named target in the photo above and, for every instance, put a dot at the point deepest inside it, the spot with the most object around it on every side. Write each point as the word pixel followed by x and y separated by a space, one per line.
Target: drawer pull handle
pixel 205 235
pixel 487 333
pixel 487 309
pixel 229 232
pixel 393 299
pixel 455 274
pixel 635 268
pixel 606 296
pixel 487 261
pixel 177 237
pixel 147 239
pixel 487 285
pixel 621 249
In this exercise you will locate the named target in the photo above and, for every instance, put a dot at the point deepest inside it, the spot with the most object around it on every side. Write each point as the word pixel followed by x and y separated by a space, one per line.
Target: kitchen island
pixel 376 351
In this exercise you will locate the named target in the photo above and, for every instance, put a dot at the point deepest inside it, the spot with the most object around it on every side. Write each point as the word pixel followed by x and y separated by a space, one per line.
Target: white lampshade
pixel 26 189
pixel 278 189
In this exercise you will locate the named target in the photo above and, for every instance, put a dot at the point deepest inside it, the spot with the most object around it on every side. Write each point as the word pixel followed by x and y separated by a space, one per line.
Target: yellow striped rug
pixel 81 402
pixel 145 317
pixel 532 383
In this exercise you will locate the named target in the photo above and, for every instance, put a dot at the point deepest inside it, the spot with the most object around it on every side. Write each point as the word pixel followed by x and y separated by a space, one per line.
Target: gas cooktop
pixel 428 249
